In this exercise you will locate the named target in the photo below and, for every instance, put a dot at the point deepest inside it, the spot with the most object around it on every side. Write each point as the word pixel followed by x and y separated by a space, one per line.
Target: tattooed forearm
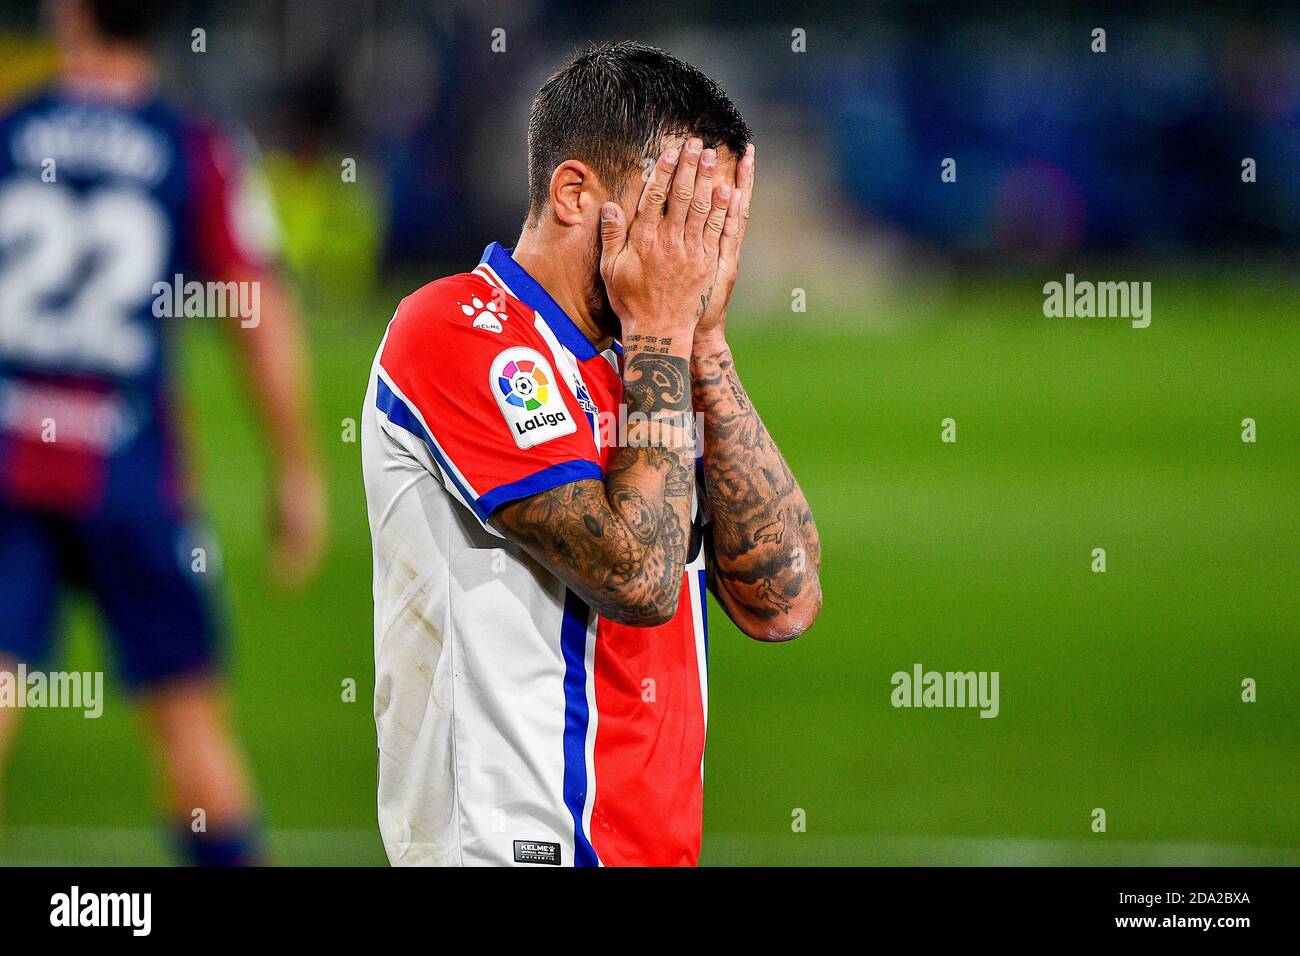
pixel 656 383
pixel 764 549
pixel 622 543
pixel 617 556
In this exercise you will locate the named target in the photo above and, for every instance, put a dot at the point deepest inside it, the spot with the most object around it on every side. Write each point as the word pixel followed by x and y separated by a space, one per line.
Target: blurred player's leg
pixel 29 573
pixel 158 598
pixel 207 791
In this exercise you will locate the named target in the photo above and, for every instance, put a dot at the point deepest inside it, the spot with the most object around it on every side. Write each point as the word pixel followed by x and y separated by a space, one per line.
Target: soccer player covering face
pixel 107 191
pixel 543 529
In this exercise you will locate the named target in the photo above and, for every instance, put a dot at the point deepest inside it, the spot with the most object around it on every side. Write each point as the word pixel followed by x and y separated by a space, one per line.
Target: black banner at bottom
pixel 1219 905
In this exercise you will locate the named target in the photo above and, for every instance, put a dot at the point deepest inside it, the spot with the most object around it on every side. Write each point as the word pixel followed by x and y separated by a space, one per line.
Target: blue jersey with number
pixel 105 208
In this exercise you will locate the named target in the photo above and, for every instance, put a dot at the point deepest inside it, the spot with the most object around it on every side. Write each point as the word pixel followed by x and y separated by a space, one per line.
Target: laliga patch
pixel 528 394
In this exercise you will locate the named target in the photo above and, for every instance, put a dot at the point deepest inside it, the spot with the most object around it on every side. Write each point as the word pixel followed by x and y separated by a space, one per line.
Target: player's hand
pixel 660 269
pixel 298 526
pixel 713 324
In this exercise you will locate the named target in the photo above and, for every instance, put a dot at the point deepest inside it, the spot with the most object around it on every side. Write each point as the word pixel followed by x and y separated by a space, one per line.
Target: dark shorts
pixel 140 569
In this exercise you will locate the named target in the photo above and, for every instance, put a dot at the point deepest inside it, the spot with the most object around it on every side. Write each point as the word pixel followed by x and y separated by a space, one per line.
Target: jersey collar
pixel 530 292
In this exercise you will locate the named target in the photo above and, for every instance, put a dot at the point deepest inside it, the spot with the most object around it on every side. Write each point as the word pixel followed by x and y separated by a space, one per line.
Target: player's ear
pixel 570 184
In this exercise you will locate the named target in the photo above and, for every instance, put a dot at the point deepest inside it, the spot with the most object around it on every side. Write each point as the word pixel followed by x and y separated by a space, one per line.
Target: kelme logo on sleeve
pixel 529 397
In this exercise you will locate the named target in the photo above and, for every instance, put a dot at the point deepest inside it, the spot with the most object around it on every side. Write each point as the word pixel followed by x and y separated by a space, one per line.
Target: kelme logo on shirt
pixel 531 851
pixel 529 397
pixel 488 317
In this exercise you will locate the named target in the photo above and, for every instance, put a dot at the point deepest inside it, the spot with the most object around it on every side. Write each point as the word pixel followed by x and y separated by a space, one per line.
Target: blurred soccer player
pixel 105 191
pixel 540 559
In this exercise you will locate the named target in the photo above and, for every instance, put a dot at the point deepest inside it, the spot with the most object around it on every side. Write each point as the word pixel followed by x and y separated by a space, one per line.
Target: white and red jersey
pixel 515 725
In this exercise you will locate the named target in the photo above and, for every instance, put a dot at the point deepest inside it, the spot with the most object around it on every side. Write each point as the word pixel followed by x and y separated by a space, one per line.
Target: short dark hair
pixel 128 21
pixel 612 105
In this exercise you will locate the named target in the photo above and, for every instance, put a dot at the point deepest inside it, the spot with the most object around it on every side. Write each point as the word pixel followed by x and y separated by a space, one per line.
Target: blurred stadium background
pixel 924 301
